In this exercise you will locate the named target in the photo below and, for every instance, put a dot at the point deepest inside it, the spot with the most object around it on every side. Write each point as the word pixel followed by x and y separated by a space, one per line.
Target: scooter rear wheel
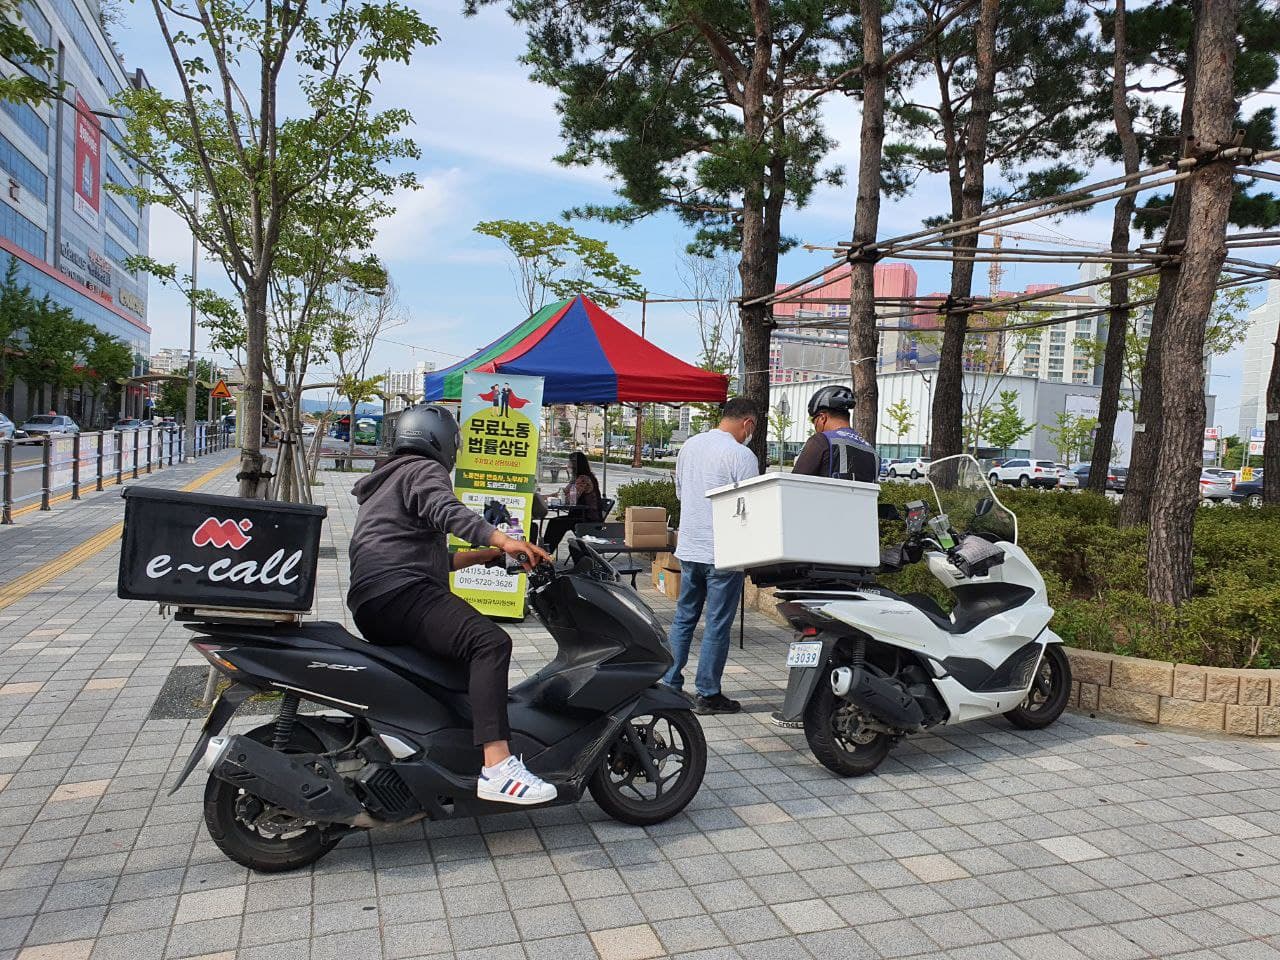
pixel 226 807
pixel 644 790
pixel 826 722
pixel 1049 692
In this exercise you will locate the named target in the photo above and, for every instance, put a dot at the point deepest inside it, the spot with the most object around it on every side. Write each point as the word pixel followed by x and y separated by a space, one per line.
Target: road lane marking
pixel 15 590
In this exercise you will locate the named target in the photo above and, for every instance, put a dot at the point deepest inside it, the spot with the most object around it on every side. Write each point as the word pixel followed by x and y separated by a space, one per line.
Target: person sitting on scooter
pixel 836 449
pixel 399 593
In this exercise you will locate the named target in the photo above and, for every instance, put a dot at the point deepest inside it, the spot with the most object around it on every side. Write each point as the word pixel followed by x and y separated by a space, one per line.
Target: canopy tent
pixel 584 356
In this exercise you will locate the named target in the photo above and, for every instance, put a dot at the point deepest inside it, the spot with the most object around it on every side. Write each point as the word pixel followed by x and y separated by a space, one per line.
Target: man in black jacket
pixel 836 449
pixel 399 591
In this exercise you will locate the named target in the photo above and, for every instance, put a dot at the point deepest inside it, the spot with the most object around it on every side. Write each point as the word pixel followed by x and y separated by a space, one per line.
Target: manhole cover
pixel 179 698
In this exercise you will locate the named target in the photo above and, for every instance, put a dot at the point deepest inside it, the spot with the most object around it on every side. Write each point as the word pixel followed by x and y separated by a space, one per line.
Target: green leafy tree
pixel 552 261
pixel 54 351
pixel 17 306
pixel 901 418
pixel 1009 97
pixel 1007 425
pixel 275 112
pixel 697 108
pixel 172 401
pixel 1069 434
pixel 107 361
pixel 780 422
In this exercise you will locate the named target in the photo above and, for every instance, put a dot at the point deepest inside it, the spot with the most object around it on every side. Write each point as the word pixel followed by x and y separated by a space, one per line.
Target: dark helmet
pixel 837 399
pixel 428 430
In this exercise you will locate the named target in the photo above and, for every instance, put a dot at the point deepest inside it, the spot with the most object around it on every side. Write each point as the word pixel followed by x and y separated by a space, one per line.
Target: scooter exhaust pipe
pixel 304 784
pixel 878 697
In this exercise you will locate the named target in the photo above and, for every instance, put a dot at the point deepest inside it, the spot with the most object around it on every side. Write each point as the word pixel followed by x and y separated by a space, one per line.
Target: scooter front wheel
pixel 833 731
pixel 653 769
pixel 1050 691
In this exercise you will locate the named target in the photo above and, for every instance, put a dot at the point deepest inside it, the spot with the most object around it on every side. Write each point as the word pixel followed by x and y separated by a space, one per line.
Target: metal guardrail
pixel 73 462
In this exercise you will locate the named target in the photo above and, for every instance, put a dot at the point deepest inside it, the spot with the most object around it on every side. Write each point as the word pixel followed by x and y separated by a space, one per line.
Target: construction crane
pixel 995 272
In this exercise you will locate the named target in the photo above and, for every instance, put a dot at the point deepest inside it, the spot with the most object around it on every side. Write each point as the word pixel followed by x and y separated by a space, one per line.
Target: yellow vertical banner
pixel 497 475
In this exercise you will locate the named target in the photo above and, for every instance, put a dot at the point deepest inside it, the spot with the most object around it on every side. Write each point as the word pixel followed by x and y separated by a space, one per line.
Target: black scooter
pixel 282 796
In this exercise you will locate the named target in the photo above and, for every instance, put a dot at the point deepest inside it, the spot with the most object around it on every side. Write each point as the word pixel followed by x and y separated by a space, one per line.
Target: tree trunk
pixel 1271 445
pixel 758 265
pixel 864 340
pixel 1176 490
pixel 1135 508
pixel 351 438
pixel 251 473
pixel 948 395
pixel 1118 317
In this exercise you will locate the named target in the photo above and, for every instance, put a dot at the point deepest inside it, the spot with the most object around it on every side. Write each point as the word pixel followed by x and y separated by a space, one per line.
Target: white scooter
pixel 872 666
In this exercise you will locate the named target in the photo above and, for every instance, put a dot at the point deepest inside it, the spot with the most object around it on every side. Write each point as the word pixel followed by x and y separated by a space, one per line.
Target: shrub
pixel 1096 573
pixel 650 493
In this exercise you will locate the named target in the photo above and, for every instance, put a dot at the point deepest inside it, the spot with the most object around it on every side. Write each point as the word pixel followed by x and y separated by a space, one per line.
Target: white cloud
pixel 413 233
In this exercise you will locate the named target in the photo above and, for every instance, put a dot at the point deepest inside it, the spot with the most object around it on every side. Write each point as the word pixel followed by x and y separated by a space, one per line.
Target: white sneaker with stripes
pixel 511 782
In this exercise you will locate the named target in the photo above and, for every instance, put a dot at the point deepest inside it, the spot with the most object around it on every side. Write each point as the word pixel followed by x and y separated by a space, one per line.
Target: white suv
pixel 914 468
pixel 1026 473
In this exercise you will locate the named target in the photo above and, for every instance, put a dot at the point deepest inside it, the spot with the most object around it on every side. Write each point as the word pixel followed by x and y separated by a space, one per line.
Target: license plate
pixel 804 654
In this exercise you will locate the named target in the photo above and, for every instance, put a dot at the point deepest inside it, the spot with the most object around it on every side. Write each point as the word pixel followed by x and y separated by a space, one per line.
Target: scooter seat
pixel 451 675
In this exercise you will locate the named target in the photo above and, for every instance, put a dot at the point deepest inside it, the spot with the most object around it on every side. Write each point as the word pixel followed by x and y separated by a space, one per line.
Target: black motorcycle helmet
pixel 428 430
pixel 838 399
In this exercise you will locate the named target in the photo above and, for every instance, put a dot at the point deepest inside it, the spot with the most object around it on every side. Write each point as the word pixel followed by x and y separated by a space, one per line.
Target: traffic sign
pixel 220 391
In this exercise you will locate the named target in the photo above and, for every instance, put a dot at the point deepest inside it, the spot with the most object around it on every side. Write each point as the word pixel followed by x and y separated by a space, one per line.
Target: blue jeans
pixel 701 584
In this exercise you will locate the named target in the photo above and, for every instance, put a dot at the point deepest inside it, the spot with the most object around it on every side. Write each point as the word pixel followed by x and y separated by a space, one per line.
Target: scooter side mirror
pixel 889 511
pixel 984 507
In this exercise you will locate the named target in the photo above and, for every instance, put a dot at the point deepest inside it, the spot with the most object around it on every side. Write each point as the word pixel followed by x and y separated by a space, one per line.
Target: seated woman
pixel 399 591
pixel 582 493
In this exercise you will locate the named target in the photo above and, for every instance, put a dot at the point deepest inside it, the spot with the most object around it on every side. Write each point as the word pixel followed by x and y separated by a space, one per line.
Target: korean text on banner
pixel 497 474
pixel 88 173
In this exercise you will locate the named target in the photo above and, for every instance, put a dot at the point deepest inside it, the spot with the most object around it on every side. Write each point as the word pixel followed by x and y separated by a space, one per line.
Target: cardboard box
pixel 669 583
pixel 646 515
pixel 646 534
pixel 666 561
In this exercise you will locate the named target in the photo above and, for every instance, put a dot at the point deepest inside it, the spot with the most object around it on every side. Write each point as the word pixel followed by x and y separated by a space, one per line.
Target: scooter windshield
pixel 963 494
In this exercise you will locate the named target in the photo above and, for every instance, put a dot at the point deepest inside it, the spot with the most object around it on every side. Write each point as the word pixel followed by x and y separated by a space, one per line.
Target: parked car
pixel 1026 473
pixel 8 429
pixel 1248 492
pixel 308 429
pixel 913 467
pixel 1066 479
pixel 129 423
pixel 1117 477
pixel 49 423
pixel 1214 487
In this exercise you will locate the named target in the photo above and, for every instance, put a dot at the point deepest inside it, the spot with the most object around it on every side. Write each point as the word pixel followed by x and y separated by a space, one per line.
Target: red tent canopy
pixel 585 356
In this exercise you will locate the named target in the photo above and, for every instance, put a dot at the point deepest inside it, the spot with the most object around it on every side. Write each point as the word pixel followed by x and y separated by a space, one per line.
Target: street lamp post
pixel 928 423
pixel 190 425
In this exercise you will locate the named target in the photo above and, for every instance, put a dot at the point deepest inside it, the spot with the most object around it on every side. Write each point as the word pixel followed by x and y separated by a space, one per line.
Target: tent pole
pixel 604 459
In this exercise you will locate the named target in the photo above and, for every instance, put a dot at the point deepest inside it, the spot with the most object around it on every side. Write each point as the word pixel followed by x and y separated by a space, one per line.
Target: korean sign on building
pixel 87 194
pixel 497 474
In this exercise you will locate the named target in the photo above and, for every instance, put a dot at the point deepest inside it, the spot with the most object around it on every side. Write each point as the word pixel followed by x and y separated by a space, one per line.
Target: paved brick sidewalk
pixel 39 535
pixel 1091 839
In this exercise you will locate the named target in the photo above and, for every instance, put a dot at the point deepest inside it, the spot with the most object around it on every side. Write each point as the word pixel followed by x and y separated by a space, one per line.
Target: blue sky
pixel 487 136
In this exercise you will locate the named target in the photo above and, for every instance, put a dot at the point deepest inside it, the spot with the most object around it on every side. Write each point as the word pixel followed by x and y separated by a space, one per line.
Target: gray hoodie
pixel 407 508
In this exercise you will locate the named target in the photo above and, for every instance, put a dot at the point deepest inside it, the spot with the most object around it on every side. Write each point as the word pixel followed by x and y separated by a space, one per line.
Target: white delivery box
pixel 786 518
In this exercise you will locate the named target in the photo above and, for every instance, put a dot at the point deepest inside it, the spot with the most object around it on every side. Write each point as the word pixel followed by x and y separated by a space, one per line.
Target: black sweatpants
pixel 435 622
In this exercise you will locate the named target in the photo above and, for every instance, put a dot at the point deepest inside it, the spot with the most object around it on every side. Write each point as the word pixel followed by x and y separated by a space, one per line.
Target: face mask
pixel 746 442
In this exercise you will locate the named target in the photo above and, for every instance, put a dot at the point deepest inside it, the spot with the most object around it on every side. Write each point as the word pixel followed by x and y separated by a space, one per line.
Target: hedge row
pixel 1096 575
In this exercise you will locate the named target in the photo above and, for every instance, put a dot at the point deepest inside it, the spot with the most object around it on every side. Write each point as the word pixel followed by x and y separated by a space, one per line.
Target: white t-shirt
pixel 706 461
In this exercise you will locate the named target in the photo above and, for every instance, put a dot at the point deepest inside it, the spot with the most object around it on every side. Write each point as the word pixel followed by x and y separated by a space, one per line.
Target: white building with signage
pixel 70 235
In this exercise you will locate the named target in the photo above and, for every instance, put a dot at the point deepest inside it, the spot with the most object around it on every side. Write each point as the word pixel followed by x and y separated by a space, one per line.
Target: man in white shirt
pixel 708 460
